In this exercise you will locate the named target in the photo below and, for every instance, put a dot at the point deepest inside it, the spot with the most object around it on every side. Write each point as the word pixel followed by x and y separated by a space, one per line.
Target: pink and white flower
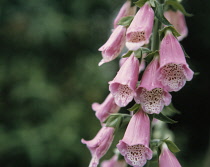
pixel 174 70
pixel 126 10
pixel 178 20
pixel 100 144
pixel 114 162
pixel 140 29
pixel 150 93
pixel 167 158
pixel 135 144
pixel 112 48
pixel 123 85
pixel 106 108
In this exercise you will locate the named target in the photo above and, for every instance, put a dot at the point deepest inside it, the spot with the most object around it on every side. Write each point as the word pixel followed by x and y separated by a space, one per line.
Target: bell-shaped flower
pixel 100 144
pixel 126 10
pixel 112 48
pixel 174 70
pixel 135 144
pixel 178 20
pixel 123 85
pixel 114 162
pixel 167 158
pixel 140 29
pixel 106 108
pixel 150 93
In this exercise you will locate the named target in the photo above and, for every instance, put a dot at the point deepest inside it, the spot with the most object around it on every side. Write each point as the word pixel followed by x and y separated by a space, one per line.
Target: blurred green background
pixel 49 78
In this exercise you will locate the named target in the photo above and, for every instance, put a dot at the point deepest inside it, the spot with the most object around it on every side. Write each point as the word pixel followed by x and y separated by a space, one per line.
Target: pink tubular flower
pixel 174 70
pixel 150 93
pixel 140 30
pixel 126 10
pixel 112 48
pixel 178 20
pixel 135 144
pixel 123 85
pixel 106 108
pixel 100 144
pixel 114 162
pixel 167 158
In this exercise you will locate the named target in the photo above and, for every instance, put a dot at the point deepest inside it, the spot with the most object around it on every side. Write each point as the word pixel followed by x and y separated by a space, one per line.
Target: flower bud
pixel 167 158
pixel 178 20
pixel 126 10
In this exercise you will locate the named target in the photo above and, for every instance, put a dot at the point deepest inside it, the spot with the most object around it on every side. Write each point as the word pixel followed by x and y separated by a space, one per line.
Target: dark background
pixel 49 78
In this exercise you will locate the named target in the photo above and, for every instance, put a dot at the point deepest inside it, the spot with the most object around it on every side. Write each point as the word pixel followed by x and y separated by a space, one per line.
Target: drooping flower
pixel 114 162
pixel 178 20
pixel 123 85
pixel 167 158
pixel 140 29
pixel 112 48
pixel 150 93
pixel 126 10
pixel 135 144
pixel 174 70
pixel 106 108
pixel 100 144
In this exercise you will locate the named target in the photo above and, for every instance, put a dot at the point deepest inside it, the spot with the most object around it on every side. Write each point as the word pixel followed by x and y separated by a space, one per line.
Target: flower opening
pixel 152 101
pixel 173 76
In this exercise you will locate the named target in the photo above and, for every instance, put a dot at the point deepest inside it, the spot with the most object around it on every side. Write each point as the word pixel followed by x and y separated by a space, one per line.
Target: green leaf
pixel 152 3
pixel 126 21
pixel 159 14
pixel 172 146
pixel 140 3
pixel 155 143
pixel 127 54
pixel 164 118
pixel 170 110
pixel 150 56
pixel 163 31
pixel 177 6
pixel 185 54
pixel 134 107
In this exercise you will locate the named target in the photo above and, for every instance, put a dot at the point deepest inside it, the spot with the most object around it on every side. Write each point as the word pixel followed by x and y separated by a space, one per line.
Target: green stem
pixel 155 35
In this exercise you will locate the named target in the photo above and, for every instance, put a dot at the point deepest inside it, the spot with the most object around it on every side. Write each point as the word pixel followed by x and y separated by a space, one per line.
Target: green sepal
pixel 135 107
pixel 152 3
pixel 163 31
pixel 172 146
pixel 170 110
pixel 159 14
pixel 117 120
pixel 138 53
pixel 164 118
pixel 141 51
pixel 127 54
pixel 140 3
pixel 185 54
pixel 150 56
pixel 126 21
pixel 178 6
pixel 155 143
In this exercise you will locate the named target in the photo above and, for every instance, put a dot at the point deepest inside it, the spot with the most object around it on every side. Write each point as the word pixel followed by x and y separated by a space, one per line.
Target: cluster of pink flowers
pixel 167 72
